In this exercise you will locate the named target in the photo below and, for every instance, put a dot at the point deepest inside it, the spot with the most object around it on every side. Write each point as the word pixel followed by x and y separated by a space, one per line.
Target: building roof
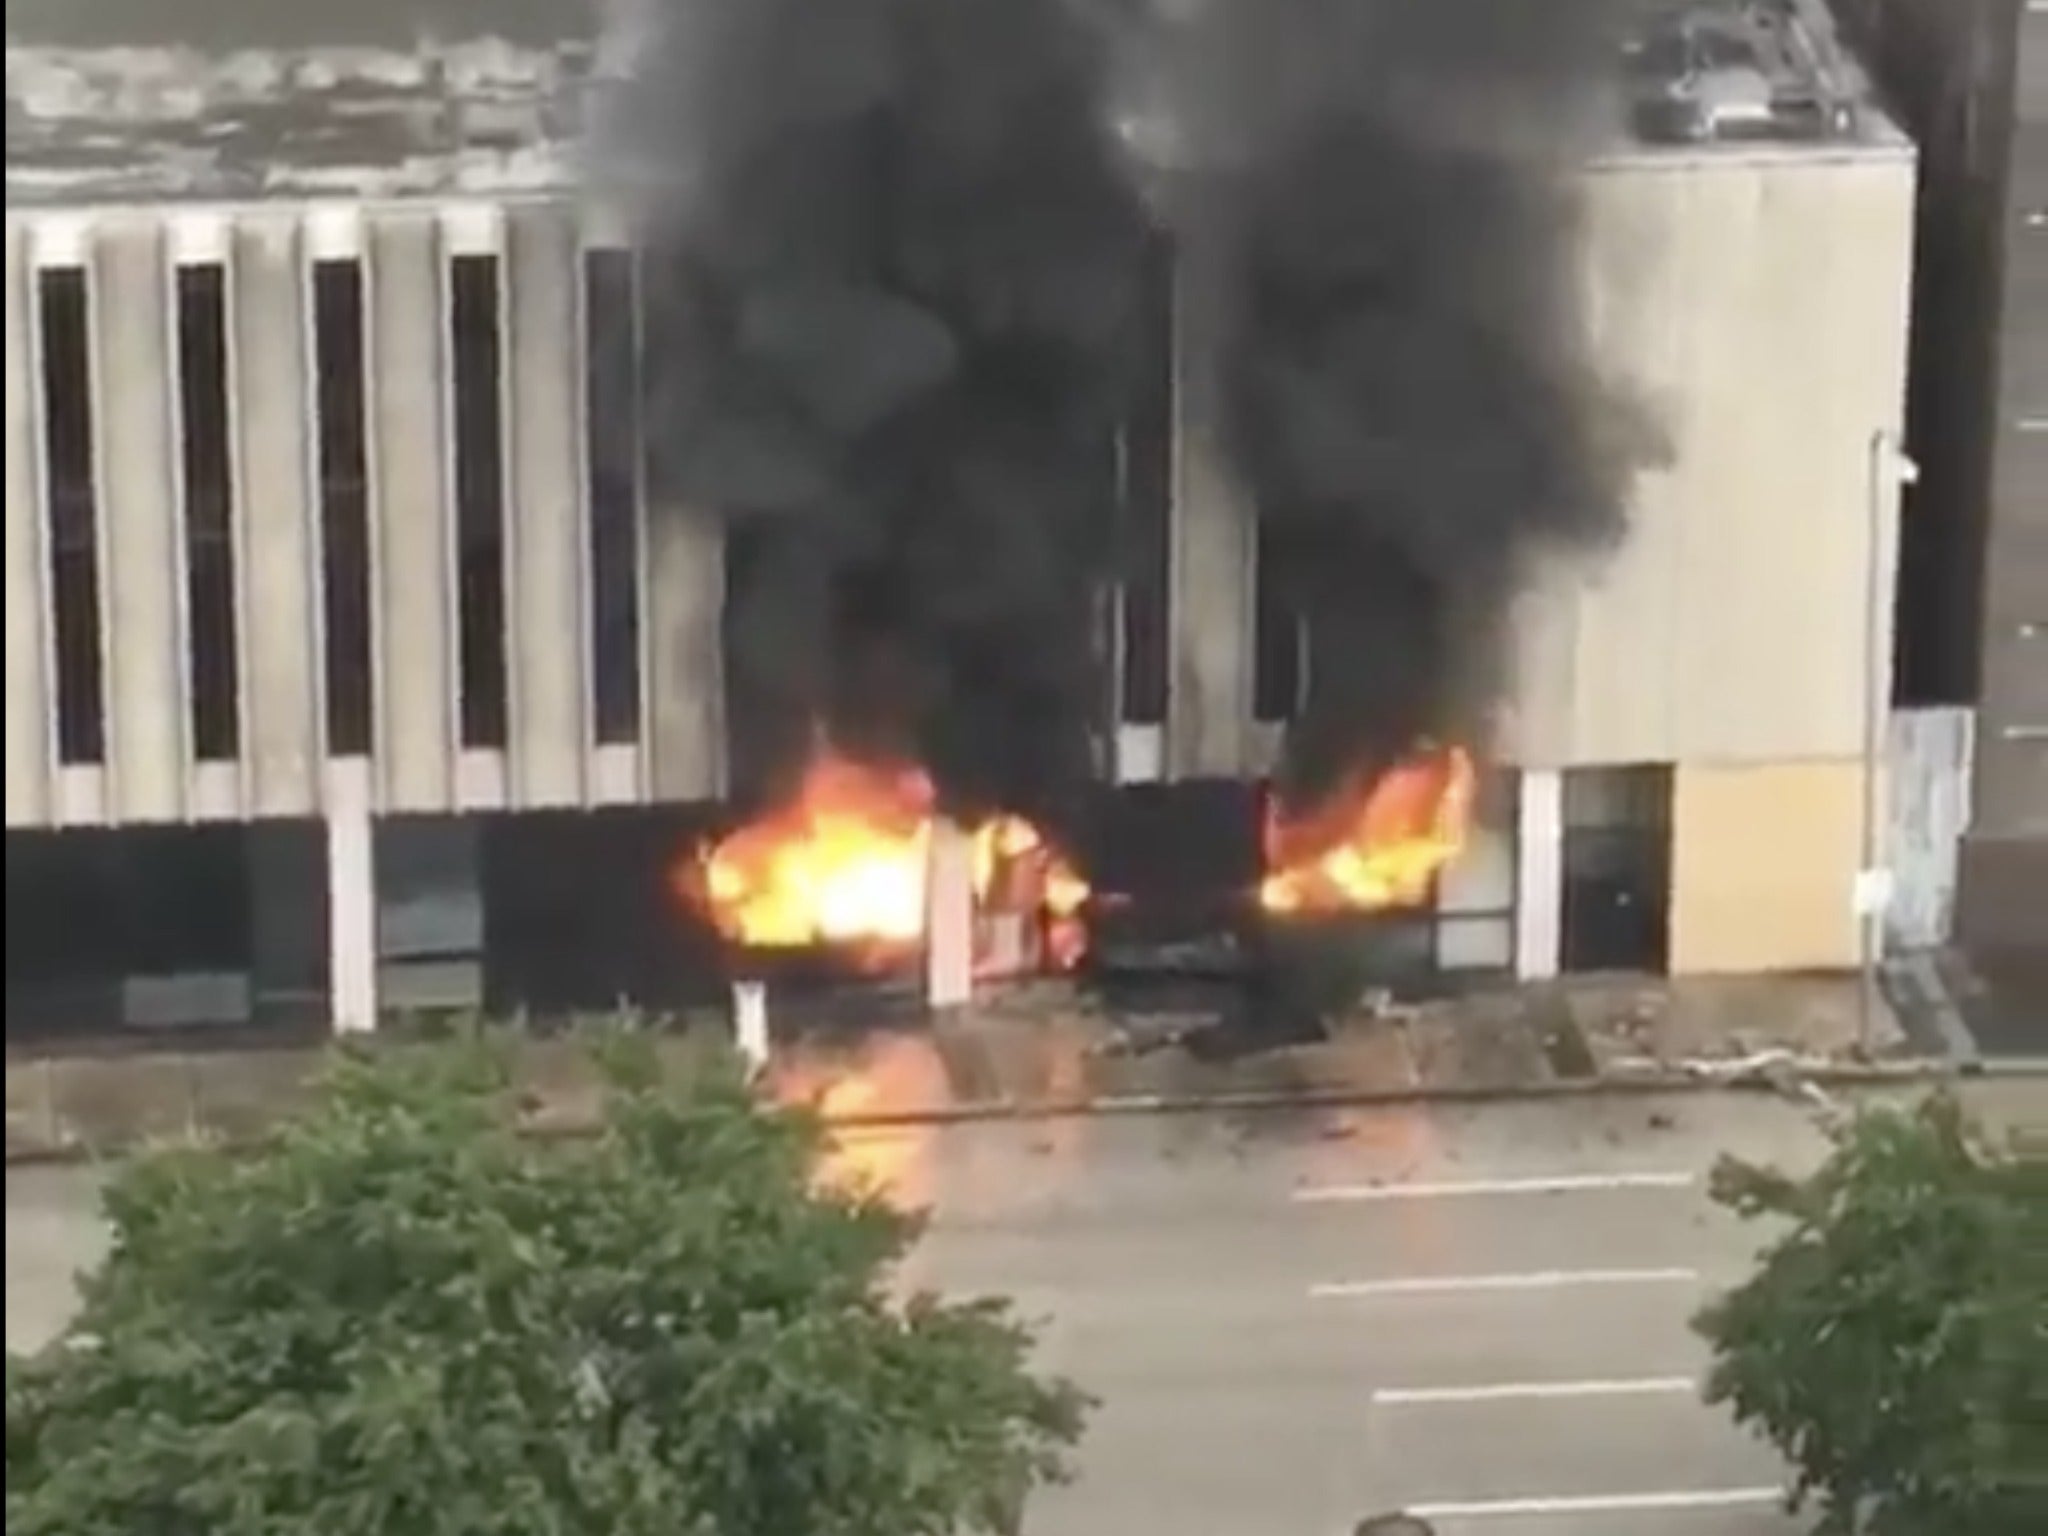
pixel 226 100
pixel 234 100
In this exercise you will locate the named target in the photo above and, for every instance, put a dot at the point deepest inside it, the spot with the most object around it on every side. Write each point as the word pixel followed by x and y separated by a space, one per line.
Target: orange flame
pixel 845 863
pixel 1377 842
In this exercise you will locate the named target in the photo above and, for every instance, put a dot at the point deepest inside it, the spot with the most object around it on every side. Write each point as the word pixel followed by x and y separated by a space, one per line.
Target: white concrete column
pixel 351 899
pixel 750 1022
pixel 949 917
pixel 1539 873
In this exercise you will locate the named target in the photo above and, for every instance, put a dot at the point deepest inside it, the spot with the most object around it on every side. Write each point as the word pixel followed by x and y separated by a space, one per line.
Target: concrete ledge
pixel 88 1108
pixel 1044 1051
pixel 576 1115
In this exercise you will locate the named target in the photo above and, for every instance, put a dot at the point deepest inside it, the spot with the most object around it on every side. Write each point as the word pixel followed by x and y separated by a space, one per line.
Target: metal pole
pixel 1889 469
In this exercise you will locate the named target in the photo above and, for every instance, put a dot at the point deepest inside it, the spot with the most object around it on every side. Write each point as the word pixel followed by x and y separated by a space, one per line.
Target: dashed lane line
pixel 1531 1280
pixel 1597 1503
pixel 1558 1184
pixel 1525 1391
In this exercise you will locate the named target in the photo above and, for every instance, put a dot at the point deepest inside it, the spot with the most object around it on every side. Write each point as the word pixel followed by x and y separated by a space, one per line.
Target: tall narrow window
pixel 1148 497
pixel 344 503
pixel 612 430
pixel 1279 637
pixel 479 497
pixel 73 513
pixel 209 511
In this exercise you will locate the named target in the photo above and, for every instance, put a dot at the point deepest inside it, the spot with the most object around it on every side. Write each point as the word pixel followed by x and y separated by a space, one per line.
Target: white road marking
pixel 1569 1183
pixel 1501 1392
pixel 1533 1280
pixel 1597 1503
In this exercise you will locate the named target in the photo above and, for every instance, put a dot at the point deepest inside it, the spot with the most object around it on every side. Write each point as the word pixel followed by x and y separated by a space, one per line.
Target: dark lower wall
pixel 2002 898
pixel 581 912
pixel 145 901
pixel 93 911
pixel 109 930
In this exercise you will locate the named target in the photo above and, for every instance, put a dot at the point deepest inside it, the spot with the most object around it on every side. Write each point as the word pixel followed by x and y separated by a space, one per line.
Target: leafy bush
pixel 1893 1343
pixel 404 1319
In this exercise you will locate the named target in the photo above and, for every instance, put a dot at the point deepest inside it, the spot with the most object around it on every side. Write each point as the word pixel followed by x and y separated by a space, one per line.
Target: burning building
pixel 525 509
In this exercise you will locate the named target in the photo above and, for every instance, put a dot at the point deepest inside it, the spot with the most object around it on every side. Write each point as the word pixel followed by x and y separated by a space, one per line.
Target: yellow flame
pixel 1377 842
pixel 845 862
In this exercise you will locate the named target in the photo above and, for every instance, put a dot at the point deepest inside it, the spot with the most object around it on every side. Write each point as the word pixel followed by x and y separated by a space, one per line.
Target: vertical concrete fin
pixel 277 590
pixel 30 699
pixel 547 544
pixel 683 661
pixel 142 547
pixel 413 592
pixel 1211 570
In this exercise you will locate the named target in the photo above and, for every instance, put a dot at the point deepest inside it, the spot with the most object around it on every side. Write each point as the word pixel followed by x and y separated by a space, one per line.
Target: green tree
pixel 404 1319
pixel 1893 1341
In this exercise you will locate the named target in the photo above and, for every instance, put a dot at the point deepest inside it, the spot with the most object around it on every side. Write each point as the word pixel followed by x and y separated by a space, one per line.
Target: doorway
pixel 1616 909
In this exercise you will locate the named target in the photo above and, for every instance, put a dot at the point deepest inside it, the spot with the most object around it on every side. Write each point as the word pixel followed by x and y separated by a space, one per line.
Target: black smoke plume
pixel 892 281
pixel 893 285
pixel 1376 204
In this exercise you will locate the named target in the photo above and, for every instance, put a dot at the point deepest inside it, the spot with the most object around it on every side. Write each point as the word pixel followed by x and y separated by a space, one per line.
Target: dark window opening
pixel 1147 499
pixel 209 511
pixel 612 425
pixel 338 364
pixel 582 914
pixel 1617 869
pixel 1279 635
pixel 479 497
pixel 73 513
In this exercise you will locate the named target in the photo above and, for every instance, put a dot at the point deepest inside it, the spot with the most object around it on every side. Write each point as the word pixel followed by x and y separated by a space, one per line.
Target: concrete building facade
pixel 319 519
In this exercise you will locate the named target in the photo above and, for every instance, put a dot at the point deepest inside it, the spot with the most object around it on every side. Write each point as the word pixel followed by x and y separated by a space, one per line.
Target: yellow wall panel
pixel 1763 863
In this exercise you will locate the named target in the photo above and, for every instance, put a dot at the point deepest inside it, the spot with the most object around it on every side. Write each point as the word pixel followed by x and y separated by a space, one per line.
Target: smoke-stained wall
pixel 1378 213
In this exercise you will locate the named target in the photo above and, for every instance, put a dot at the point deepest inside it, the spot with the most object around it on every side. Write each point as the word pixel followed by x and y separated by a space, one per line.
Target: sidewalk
pixel 1046 1050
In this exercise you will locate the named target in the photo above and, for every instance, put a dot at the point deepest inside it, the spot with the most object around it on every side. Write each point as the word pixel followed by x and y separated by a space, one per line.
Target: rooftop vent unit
pixel 1718 70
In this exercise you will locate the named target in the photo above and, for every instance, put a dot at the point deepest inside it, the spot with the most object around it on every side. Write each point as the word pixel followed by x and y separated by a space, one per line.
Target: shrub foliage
pixel 404 1317
pixel 1893 1341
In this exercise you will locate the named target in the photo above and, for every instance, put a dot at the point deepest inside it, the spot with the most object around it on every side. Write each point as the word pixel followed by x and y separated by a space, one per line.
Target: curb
pixel 1136 1105
pixel 1904 1074
pixel 2010 1068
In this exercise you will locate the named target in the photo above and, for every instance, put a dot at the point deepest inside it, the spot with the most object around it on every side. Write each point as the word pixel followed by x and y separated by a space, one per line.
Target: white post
pixel 750 1022
pixel 1539 874
pixel 351 900
pixel 949 917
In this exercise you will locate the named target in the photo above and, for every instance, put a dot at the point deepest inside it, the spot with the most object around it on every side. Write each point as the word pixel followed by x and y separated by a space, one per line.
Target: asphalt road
pixel 1294 1320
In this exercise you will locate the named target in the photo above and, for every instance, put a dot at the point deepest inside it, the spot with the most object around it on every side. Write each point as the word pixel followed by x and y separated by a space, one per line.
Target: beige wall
pixel 1763 862
pixel 1758 301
